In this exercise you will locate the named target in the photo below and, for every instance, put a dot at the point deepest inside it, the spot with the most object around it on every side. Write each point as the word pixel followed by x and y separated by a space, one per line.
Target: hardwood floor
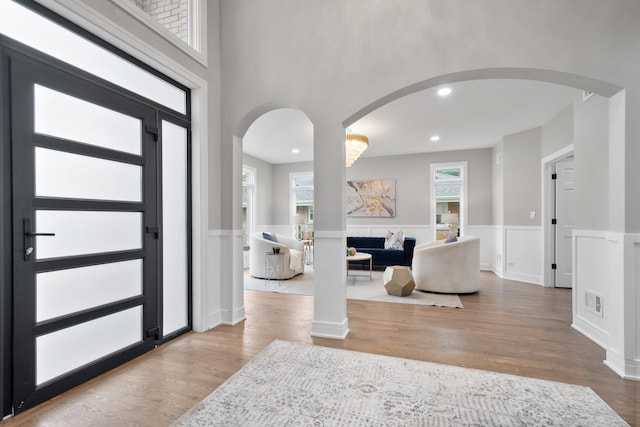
pixel 507 327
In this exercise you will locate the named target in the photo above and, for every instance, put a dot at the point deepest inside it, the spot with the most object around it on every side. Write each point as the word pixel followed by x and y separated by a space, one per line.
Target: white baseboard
pixel 232 318
pixel 591 331
pixel 526 278
pixel 629 370
pixel 214 319
pixel 338 331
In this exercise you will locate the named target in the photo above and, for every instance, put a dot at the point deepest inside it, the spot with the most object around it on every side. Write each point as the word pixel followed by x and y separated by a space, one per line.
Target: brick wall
pixel 172 14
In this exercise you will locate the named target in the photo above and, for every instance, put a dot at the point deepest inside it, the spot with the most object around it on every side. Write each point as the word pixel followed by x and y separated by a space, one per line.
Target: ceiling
pixel 477 114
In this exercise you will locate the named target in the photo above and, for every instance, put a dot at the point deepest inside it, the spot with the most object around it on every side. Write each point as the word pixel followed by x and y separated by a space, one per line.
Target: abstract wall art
pixel 371 198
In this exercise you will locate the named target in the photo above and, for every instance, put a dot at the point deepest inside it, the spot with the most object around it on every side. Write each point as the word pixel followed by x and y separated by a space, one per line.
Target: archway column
pixel 329 287
pixel 623 350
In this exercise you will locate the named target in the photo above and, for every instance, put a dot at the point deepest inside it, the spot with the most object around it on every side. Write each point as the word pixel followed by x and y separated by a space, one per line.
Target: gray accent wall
pixel 521 179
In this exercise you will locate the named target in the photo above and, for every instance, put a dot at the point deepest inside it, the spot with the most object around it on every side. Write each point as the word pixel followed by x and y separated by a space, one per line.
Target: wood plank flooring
pixel 507 327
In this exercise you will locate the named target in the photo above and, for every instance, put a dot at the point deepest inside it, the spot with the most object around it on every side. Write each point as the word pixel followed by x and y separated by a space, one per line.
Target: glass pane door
pixel 85 225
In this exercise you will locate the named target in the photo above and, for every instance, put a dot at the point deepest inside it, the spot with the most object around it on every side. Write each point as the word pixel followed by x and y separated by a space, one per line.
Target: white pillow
pixel 394 240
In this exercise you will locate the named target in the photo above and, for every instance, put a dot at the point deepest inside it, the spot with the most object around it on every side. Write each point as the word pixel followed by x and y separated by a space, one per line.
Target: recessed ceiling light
pixel 444 91
pixel 435 138
pixel 295 151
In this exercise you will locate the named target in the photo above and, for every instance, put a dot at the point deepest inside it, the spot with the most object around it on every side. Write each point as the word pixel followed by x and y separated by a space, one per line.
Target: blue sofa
pixel 382 257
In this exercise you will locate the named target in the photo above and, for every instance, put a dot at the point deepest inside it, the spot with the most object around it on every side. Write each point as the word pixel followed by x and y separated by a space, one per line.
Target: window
pixel 248 203
pixel 181 22
pixel 448 199
pixel 20 23
pixel 302 204
pixel 172 15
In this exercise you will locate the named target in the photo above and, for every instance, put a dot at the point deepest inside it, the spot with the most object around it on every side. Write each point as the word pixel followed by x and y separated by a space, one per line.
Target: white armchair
pixel 448 267
pixel 291 251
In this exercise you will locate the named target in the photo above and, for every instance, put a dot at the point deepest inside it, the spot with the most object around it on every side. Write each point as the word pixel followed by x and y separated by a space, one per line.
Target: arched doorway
pixel 613 98
pixel 276 142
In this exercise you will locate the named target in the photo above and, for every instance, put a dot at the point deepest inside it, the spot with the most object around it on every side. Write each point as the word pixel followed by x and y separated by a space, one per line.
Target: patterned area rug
pixel 295 385
pixel 358 287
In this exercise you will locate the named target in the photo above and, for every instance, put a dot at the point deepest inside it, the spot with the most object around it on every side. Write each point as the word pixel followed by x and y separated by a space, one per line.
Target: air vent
pixel 593 302
pixel 586 94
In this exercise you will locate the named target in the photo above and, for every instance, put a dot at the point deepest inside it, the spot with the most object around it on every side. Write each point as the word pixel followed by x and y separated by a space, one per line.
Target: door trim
pixel 547 165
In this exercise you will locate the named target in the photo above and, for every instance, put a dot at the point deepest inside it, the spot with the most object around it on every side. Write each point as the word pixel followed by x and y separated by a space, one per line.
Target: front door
pixel 85 224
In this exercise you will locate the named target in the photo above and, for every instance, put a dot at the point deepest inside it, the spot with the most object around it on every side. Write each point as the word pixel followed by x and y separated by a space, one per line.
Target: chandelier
pixel 355 144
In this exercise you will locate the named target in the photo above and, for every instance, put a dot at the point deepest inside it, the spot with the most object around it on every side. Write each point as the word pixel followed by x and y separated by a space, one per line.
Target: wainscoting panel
pixel 635 313
pixel 522 254
pixel 487 244
pixel 207 308
pixel 498 250
pixel 591 292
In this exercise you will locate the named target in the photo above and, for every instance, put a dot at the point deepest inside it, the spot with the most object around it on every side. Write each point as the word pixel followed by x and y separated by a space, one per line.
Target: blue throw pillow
pixel 451 239
pixel 269 236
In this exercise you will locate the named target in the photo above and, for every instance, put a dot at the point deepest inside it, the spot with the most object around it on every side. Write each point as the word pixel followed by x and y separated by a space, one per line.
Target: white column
pixel 330 297
pixel 623 350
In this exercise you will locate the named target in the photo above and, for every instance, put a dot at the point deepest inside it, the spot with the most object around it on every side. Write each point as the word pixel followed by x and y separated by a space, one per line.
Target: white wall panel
pixel 522 254
pixel 487 244
pixel 591 276
pixel 498 255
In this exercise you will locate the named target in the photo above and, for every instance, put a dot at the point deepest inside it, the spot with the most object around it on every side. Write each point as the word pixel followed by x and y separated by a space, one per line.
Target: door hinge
pixel 153 131
pixel 554 176
pixel 554 266
pixel 154 333
pixel 155 231
pixel 554 221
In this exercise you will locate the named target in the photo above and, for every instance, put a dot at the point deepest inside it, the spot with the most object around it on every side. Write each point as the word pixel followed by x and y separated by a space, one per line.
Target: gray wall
pixel 411 173
pixel 281 189
pixel 264 189
pixel 521 180
pixel 592 163
pixel 499 194
pixel 497 172
pixel 337 47
pixel 557 133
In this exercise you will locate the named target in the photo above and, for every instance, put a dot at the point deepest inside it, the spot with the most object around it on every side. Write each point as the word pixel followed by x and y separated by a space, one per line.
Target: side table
pixel 398 280
pixel 273 266
pixel 360 256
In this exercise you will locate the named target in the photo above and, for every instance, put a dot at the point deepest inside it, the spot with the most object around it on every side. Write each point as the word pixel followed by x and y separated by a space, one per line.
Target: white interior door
pixel 565 222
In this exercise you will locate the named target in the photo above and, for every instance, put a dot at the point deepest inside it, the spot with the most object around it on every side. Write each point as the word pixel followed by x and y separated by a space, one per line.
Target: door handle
pixel 28 234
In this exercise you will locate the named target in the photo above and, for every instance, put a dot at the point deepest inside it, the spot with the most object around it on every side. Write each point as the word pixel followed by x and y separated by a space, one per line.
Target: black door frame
pixel 9 48
pixel 24 73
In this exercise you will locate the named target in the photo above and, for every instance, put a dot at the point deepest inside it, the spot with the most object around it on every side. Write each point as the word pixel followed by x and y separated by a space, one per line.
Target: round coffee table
pixel 360 256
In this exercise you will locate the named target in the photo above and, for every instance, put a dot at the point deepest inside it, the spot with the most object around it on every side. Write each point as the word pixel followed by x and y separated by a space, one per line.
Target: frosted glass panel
pixel 64 116
pixel 60 174
pixel 174 230
pixel 40 33
pixel 86 232
pixel 62 351
pixel 67 291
